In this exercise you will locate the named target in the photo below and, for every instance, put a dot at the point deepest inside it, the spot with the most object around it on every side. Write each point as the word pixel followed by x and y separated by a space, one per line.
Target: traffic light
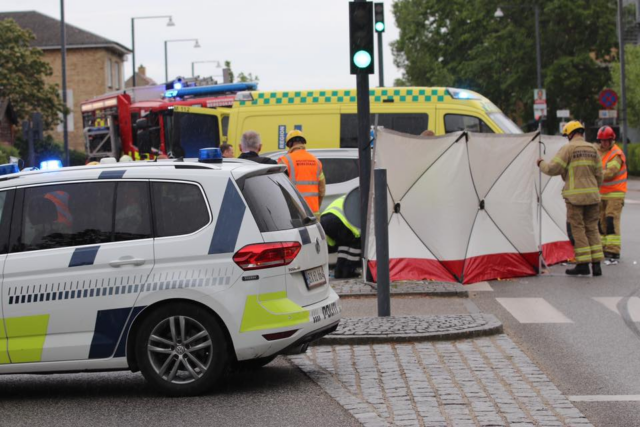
pixel 361 37
pixel 378 10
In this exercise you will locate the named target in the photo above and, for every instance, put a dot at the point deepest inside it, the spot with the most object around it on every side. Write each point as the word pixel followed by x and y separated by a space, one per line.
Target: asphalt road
pixel 596 352
pixel 277 395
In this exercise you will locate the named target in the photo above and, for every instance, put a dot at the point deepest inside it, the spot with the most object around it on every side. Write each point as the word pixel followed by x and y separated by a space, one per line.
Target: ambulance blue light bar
pixel 210 155
pixel 209 90
pixel 9 168
pixel 462 94
pixel 50 165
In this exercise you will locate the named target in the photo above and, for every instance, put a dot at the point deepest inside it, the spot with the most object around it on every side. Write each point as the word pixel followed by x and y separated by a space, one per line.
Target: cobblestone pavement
pixel 472 382
pixel 357 287
pixel 366 330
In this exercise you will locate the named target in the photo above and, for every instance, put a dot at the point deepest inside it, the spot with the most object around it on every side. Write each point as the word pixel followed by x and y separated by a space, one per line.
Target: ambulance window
pixel 459 122
pixel 57 216
pixel 195 131
pixel 412 123
pixel 339 170
pixel 178 208
pixel 275 204
pixel 225 125
pixel 133 216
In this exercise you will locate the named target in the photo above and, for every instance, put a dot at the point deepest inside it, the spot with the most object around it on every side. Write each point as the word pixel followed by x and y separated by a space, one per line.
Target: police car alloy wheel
pixel 182 350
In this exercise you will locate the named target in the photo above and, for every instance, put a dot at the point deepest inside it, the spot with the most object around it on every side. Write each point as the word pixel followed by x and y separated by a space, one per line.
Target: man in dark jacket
pixel 250 145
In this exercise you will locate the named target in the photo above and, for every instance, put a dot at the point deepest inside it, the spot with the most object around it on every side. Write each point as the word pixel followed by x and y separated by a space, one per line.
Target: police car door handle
pixel 127 261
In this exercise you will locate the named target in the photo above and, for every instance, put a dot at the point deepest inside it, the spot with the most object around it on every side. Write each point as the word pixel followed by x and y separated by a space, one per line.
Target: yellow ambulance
pixel 328 118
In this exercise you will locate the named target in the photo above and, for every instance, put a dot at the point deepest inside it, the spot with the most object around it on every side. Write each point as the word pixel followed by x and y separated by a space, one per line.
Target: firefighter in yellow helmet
pixel 579 164
pixel 305 170
pixel 612 191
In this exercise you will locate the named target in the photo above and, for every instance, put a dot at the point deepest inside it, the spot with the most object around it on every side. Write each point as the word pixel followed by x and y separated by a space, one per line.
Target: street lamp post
pixel 133 38
pixel 623 86
pixel 166 55
pixel 193 70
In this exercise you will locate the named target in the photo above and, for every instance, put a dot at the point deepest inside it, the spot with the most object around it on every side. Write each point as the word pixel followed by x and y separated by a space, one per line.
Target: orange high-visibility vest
pixel 619 182
pixel 305 171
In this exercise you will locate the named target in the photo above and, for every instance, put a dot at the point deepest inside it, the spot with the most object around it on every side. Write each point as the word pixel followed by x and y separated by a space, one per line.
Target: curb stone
pixel 402 329
pixel 357 287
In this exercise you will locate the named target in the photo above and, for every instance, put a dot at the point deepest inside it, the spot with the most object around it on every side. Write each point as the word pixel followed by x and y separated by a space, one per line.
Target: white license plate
pixel 315 277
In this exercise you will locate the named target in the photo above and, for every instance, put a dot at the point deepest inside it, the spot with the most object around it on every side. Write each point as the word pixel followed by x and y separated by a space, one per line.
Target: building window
pixel 109 74
pixel 117 66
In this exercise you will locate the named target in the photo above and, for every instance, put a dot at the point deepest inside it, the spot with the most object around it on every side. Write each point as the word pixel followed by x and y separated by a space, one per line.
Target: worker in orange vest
pixel 612 192
pixel 305 170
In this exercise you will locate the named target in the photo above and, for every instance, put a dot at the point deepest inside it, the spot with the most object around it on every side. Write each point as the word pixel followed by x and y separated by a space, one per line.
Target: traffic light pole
pixel 380 68
pixel 364 154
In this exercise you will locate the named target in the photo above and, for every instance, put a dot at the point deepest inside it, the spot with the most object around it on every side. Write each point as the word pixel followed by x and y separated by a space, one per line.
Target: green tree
pixel 22 76
pixel 242 77
pixel 632 71
pixel 460 43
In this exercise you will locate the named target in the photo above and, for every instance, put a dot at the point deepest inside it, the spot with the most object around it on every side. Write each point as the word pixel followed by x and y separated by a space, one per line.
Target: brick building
pixel 94 64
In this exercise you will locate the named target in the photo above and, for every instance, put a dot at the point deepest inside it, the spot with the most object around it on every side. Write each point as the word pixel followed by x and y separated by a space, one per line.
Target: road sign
pixel 539 110
pixel 608 114
pixel 539 96
pixel 563 114
pixel 608 98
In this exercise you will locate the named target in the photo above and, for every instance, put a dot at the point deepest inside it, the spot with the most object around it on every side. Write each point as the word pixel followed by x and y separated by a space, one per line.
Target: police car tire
pixel 218 354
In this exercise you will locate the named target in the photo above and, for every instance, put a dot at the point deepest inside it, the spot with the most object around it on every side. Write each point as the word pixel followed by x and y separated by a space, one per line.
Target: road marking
pixel 633 305
pixel 533 310
pixel 631 202
pixel 479 287
pixel 606 398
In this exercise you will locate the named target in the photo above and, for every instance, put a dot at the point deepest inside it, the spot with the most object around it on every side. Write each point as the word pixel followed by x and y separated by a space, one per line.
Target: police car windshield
pixel 275 203
pixel 505 123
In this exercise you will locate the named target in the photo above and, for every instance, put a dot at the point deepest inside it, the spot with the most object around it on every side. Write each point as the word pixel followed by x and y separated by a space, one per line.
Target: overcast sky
pixel 289 44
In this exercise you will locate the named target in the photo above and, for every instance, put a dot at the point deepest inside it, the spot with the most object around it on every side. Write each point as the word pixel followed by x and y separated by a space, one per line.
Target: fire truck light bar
pixel 210 90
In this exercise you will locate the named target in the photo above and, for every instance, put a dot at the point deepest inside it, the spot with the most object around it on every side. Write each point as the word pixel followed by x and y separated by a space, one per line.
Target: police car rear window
pixel 275 203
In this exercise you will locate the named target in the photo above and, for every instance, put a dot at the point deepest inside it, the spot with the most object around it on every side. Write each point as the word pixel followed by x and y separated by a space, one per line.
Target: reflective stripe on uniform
pixel 610 183
pixel 580 191
pixel 559 161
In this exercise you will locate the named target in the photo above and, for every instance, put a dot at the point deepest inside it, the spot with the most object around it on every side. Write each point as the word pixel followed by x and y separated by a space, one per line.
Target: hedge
pixel 633 159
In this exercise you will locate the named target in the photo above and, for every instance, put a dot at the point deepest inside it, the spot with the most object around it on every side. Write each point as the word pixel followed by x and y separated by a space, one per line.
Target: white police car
pixel 176 269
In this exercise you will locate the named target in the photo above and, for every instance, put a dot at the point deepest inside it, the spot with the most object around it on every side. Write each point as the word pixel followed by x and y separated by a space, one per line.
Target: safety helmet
pixel 126 158
pixel 605 132
pixel 571 127
pixel 294 134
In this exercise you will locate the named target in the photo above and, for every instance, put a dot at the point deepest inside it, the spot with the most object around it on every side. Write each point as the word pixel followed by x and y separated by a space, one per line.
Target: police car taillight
pixel 266 255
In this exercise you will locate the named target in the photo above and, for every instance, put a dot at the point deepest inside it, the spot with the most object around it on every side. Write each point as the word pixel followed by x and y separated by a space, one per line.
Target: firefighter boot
pixel 597 270
pixel 579 270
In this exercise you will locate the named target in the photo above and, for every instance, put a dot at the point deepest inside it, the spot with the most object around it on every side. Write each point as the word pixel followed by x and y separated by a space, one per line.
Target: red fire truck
pixel 144 122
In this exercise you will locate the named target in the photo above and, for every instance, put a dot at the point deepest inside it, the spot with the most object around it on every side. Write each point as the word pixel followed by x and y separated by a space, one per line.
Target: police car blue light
pixel 49 165
pixel 9 169
pixel 210 155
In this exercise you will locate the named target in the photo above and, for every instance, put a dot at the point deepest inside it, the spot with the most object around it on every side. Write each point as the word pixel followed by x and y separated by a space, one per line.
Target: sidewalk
pixel 393 372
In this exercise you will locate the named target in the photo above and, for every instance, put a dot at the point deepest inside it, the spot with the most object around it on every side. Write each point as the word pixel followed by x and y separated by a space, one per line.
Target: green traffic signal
pixel 362 59
pixel 379 27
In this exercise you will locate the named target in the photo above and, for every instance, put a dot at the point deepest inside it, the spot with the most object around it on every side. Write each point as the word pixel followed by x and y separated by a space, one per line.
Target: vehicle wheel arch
pixel 147 311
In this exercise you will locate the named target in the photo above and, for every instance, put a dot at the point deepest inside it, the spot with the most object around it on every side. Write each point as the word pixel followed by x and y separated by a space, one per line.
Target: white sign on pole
pixel 539 96
pixel 608 114
pixel 563 114
pixel 539 110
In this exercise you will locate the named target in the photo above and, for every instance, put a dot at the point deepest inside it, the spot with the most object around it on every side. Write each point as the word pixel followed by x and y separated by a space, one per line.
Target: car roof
pixel 167 169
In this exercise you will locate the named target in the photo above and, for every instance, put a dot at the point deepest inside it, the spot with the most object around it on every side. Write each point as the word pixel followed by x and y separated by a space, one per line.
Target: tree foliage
pixel 632 71
pixel 461 43
pixel 242 77
pixel 22 76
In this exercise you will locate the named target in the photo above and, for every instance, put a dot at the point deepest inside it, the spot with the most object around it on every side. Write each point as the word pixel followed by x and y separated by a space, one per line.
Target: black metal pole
pixel 538 50
pixel 364 153
pixel 623 82
pixel 30 137
pixel 380 66
pixel 382 242
pixel 63 49
pixel 133 50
